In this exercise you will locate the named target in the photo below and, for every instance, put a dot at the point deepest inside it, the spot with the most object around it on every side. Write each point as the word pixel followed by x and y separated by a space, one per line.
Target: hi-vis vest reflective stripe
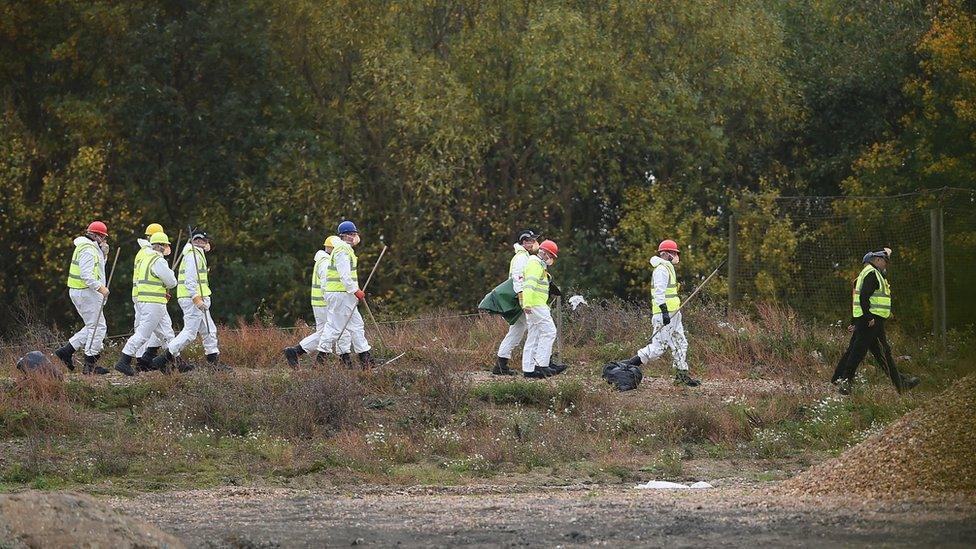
pixel 141 255
pixel 203 278
pixel 74 271
pixel 511 264
pixel 535 291
pixel 332 281
pixel 150 287
pixel 671 299
pixel 881 298
pixel 318 300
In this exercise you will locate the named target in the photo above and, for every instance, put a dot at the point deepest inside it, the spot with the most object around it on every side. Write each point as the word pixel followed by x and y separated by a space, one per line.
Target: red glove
pixel 360 295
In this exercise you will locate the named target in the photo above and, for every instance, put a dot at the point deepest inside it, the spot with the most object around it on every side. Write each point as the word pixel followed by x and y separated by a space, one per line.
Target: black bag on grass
pixel 622 376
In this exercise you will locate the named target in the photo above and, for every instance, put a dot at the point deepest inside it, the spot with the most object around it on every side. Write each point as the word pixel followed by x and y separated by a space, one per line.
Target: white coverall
pixel 311 343
pixel 154 321
pixel 153 341
pixel 88 302
pixel 195 321
pixel 341 306
pixel 516 331
pixel 541 335
pixel 671 336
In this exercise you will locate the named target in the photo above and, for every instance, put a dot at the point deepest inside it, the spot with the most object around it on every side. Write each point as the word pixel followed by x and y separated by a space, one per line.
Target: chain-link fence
pixel 807 251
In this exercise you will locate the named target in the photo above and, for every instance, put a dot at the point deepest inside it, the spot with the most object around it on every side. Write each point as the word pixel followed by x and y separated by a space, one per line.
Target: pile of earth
pixel 59 519
pixel 930 451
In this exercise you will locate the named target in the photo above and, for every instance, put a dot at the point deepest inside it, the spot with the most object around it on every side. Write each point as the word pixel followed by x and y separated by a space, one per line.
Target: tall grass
pixel 436 416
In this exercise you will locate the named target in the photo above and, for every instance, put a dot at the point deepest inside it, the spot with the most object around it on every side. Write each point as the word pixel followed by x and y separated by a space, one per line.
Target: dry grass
pixel 432 417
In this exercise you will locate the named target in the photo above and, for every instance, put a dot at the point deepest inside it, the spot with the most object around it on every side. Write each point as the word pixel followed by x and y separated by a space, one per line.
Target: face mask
pixel 549 261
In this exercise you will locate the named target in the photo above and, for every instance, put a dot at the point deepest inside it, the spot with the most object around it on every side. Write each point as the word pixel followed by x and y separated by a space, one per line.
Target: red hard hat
pixel 668 246
pixel 550 247
pixel 98 227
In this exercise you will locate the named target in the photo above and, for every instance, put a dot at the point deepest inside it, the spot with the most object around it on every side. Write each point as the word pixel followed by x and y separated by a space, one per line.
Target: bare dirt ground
pixel 569 516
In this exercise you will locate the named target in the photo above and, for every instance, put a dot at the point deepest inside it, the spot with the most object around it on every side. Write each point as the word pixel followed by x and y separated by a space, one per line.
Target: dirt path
pixel 486 516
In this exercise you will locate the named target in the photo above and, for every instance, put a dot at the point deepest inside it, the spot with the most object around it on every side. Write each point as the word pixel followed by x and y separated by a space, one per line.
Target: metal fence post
pixel 733 260
pixel 559 327
pixel 938 274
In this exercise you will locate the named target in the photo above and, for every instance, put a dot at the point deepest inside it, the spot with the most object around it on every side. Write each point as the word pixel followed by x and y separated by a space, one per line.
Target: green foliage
pixel 559 395
pixel 443 127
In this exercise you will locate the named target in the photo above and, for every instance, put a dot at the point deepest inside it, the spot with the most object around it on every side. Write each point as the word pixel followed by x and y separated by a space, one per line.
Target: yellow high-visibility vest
pixel 150 288
pixel 141 255
pixel 535 290
pixel 74 270
pixel 332 281
pixel 671 299
pixel 203 277
pixel 318 298
pixel 881 298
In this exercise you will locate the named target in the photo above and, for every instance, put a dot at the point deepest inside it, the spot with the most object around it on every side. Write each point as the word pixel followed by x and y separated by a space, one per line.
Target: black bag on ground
pixel 622 376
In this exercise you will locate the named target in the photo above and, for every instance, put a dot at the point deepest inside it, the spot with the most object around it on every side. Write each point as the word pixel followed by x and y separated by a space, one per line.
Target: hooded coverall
pixel 194 280
pixel 538 317
pixel 153 277
pixel 320 305
pixel 89 261
pixel 342 283
pixel 145 249
pixel 671 336
pixel 516 332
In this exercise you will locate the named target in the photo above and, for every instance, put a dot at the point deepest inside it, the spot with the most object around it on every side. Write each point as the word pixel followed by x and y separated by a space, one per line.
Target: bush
pixel 318 403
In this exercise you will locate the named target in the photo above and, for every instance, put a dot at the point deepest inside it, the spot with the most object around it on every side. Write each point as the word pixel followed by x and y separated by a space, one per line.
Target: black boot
pixel 90 367
pixel 292 354
pixel 64 353
pixel 346 360
pixel 320 359
pixel 124 365
pixel 501 368
pixel 633 361
pixel 682 378
pixel 366 360
pixel 541 372
pixel 557 368
pixel 843 386
pixel 144 363
pixel 213 360
pixel 908 383
pixel 162 362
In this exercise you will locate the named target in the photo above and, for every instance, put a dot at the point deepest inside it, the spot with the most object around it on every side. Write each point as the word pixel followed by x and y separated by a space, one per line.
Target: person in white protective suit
pixel 193 295
pixel 666 320
pixel 150 348
pixel 88 291
pixel 534 298
pixel 153 280
pixel 320 310
pixel 343 294
pixel 528 244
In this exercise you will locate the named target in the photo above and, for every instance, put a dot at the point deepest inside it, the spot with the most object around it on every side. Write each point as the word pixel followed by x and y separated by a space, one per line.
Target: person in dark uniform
pixel 871 308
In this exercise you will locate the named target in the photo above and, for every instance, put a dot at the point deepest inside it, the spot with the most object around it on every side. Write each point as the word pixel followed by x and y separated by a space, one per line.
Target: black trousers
pixel 868 338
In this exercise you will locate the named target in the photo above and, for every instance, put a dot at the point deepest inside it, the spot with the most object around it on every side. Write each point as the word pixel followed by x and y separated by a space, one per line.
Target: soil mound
pixel 931 451
pixel 43 519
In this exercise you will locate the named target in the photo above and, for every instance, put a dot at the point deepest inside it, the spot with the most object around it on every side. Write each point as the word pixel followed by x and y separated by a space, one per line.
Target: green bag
pixel 503 301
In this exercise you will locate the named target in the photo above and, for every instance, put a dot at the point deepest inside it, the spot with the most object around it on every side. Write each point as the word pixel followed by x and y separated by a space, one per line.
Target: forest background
pixel 443 127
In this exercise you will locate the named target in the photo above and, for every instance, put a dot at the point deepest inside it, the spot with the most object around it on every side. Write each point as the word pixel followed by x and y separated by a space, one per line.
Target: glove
pixel 103 290
pixel 360 295
pixel 199 303
pixel 665 315
pixel 104 247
